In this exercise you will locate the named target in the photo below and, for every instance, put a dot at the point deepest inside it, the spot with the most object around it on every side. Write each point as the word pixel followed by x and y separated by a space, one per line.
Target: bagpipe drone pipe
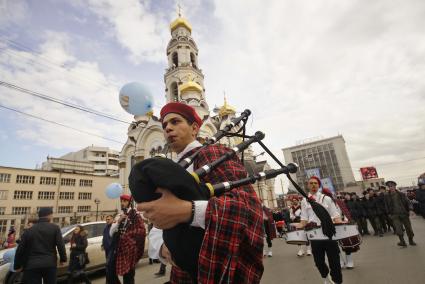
pixel 184 241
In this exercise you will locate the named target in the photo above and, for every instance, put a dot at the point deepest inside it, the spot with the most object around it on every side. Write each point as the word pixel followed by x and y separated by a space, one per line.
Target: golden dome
pixel 226 109
pixel 180 22
pixel 190 86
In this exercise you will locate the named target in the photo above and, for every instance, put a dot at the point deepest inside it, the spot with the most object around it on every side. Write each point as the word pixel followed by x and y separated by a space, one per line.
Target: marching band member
pixel 346 258
pixel 320 248
pixel 295 214
pixel 231 250
pixel 128 242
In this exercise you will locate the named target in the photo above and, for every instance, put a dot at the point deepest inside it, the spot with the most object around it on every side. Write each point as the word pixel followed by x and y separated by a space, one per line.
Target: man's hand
pixel 167 211
pixel 19 269
pixel 61 264
pixel 165 253
pixel 122 217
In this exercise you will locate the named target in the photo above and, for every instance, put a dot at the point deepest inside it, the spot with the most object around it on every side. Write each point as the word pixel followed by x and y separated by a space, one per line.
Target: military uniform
pixel 398 207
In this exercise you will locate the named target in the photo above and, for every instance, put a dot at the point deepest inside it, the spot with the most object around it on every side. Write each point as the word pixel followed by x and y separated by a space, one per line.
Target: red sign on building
pixel 369 172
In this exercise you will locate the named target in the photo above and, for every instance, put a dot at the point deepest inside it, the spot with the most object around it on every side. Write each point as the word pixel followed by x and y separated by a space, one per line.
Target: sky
pixel 304 68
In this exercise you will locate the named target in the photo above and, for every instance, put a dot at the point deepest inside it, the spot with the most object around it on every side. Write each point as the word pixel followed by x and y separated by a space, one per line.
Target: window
pixel 3 227
pixel 95 230
pixel 2 210
pixel 66 195
pixel 174 92
pixel 25 179
pixel 38 208
pixel 21 210
pixel 175 59
pixel 65 209
pixel 3 194
pixel 48 180
pixel 86 182
pixel 22 194
pixel 50 195
pixel 193 60
pixel 68 181
pixel 85 208
pixel 84 195
pixel 4 177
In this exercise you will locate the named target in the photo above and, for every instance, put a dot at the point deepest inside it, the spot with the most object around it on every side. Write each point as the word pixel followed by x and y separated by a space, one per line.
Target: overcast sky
pixel 304 68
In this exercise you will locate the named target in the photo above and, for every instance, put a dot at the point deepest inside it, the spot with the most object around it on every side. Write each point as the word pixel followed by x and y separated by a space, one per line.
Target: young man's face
pixel 124 204
pixel 391 188
pixel 313 185
pixel 178 132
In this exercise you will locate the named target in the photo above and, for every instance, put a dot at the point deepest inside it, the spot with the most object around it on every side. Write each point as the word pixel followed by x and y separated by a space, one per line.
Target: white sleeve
pixel 333 211
pixel 113 229
pixel 304 213
pixel 155 243
pixel 199 216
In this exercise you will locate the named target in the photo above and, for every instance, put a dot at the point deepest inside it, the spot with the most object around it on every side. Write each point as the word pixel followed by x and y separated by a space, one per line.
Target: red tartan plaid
pixel 233 243
pixel 131 244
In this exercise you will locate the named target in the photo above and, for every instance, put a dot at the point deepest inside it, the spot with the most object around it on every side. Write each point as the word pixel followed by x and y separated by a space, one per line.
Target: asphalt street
pixel 379 261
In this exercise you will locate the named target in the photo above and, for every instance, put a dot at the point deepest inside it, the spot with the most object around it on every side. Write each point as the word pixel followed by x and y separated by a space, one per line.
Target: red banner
pixel 369 172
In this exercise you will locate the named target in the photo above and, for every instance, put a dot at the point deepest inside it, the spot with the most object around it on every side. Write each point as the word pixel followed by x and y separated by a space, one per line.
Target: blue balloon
pixel 114 190
pixel 136 99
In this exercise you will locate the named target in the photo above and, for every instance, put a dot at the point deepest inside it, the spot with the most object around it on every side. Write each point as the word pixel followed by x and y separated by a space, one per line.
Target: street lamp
pixel 97 201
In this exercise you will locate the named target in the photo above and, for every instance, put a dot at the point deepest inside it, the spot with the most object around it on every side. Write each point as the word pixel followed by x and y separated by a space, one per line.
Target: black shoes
pixel 402 243
pixel 411 242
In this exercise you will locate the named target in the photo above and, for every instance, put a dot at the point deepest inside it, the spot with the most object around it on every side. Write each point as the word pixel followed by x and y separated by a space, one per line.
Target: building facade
pixel 74 198
pixel 263 188
pixel 326 158
pixel 101 161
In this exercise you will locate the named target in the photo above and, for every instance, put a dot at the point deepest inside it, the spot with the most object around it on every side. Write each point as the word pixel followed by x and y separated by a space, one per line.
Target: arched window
pixel 175 58
pixel 193 60
pixel 174 92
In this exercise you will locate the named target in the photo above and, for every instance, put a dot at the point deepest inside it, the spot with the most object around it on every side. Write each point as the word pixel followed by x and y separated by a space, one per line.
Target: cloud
pixel 79 82
pixel 142 33
pixel 12 12
pixel 322 69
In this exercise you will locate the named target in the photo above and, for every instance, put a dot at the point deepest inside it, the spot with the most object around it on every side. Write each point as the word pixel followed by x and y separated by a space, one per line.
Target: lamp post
pixel 97 201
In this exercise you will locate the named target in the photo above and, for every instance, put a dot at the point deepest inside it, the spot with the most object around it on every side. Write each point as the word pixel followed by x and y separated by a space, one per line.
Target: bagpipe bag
pixel 183 241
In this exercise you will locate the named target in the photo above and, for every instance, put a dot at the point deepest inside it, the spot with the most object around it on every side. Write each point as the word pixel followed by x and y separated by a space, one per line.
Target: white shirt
pixel 155 235
pixel 307 213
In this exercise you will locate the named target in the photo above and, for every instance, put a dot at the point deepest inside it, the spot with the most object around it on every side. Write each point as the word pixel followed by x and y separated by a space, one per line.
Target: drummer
pixel 322 247
pixel 295 214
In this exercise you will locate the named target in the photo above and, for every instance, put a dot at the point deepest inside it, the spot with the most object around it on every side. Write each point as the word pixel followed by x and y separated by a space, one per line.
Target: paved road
pixel 379 261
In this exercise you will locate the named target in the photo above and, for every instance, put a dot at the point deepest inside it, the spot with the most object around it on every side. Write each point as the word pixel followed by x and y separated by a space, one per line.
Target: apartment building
pixel 74 198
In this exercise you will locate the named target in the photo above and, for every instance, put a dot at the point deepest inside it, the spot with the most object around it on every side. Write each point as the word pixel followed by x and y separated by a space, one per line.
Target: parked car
pixel 96 255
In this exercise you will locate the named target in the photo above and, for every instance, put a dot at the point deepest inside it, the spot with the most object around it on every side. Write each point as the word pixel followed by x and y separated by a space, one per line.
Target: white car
pixel 96 255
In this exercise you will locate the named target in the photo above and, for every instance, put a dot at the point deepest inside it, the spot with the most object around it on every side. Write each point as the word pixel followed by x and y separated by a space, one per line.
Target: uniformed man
pixel 398 207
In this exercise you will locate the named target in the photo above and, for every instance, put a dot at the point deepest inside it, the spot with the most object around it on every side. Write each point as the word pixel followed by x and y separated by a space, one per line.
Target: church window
pixel 174 92
pixel 193 60
pixel 175 59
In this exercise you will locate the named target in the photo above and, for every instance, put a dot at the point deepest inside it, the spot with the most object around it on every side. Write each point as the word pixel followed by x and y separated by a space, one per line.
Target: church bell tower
pixel 184 81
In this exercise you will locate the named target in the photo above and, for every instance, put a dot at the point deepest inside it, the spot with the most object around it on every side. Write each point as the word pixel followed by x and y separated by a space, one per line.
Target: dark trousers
pixel 362 222
pixel 376 225
pixel 402 220
pixel 34 276
pixel 267 231
pixel 128 278
pixel 329 248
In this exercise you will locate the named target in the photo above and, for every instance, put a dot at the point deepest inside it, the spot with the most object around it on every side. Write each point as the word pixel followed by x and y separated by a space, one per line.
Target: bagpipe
pixel 184 241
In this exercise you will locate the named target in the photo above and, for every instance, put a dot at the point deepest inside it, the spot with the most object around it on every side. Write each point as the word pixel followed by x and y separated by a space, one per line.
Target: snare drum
pixel 352 243
pixel 349 236
pixel 296 236
pixel 343 231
